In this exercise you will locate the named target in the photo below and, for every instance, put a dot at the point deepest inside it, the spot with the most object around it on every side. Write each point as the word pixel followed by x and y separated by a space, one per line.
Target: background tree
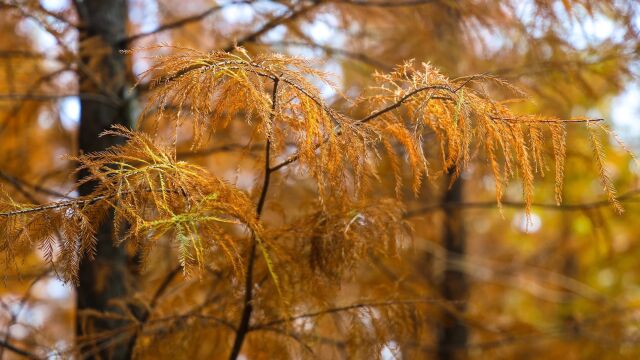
pixel 325 268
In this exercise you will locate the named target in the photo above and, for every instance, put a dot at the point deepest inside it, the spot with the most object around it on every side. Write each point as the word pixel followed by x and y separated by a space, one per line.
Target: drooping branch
pixel 404 98
pixel 293 158
pixel 378 113
pixel 251 37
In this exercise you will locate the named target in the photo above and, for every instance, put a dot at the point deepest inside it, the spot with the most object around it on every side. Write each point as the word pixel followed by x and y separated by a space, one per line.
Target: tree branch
pixel 269 25
pixel 551 121
pixel 244 325
pixel 217 149
pixel 179 23
pixel 293 158
pixel 17 350
pixel 55 205
pixel 144 318
pixel 49 97
pixel 20 185
pixel 346 308
pixel 16 314
pixel 387 4
pixel 627 196
pixel 330 50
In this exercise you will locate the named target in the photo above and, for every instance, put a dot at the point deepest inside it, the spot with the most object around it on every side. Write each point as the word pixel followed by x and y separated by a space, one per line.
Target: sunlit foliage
pixel 263 216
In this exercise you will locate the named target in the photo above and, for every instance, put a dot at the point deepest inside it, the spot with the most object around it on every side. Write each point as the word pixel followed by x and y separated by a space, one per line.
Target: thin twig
pixel 20 184
pixel 387 4
pixel 144 318
pixel 16 314
pixel 17 350
pixel 627 196
pixel 123 43
pixel 330 50
pixel 271 24
pixel 550 121
pixel 347 308
pixel 49 97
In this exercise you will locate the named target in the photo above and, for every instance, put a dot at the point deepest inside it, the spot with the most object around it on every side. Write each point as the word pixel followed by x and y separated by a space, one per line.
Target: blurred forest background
pixel 563 281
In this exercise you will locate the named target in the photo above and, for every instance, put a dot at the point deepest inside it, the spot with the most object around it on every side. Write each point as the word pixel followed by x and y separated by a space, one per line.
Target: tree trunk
pixel 106 277
pixel 453 332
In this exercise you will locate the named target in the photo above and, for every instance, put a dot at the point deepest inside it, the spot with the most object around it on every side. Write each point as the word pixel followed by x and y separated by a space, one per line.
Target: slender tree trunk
pixel 106 277
pixel 452 332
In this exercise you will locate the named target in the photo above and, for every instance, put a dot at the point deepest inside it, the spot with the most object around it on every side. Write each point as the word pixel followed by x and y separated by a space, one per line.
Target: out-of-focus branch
pixel 180 22
pixel 144 317
pixel 625 197
pixel 17 350
pixel 330 50
pixel 32 89
pixel 40 8
pixel 49 97
pixel 19 186
pixel 9 53
pixel 16 314
pixel 388 4
pixel 292 14
pixel 347 308
pixel 545 67
pixel 552 121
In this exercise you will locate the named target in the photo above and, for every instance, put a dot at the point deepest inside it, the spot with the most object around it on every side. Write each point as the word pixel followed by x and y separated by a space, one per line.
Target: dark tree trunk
pixel 106 277
pixel 453 332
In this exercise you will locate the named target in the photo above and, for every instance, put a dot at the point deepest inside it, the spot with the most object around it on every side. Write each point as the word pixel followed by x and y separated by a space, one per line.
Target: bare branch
pixel 329 50
pixel 144 318
pixel 347 308
pixel 181 22
pixel 628 197
pixel 19 184
pixel 17 350
pixel 269 25
pixel 16 314
pixel 50 97
pixel 386 4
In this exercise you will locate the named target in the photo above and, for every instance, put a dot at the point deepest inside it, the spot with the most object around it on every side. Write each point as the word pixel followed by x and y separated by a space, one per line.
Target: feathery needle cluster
pixel 152 195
